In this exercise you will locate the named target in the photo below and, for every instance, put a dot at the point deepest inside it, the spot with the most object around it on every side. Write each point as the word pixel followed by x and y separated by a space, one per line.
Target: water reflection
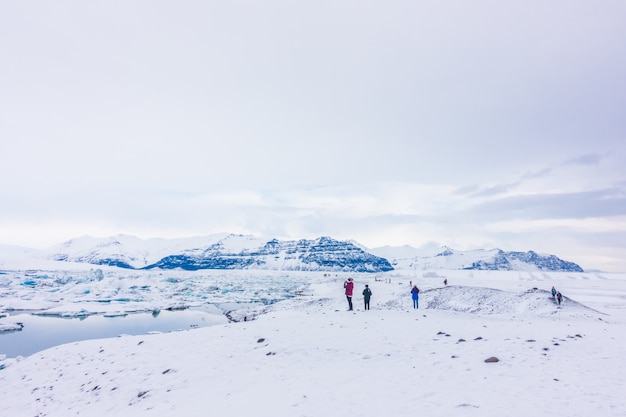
pixel 42 332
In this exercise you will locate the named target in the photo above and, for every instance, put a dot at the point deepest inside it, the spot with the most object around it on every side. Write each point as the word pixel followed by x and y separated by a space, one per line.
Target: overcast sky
pixel 475 124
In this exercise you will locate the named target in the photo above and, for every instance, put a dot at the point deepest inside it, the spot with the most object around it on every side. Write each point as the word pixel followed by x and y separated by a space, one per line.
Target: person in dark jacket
pixel 367 294
pixel 559 297
pixel 349 286
pixel 415 294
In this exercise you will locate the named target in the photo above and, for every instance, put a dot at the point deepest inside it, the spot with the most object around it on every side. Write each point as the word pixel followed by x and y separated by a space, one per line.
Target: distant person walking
pixel 367 294
pixel 349 286
pixel 445 281
pixel 415 294
pixel 553 291
pixel 559 297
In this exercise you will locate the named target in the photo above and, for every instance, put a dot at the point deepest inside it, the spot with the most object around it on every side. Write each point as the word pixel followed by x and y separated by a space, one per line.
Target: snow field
pixel 308 356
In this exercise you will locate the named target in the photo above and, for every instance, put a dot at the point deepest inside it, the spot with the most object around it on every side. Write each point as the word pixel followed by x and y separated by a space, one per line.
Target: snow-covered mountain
pixel 444 257
pixel 223 251
pixel 230 251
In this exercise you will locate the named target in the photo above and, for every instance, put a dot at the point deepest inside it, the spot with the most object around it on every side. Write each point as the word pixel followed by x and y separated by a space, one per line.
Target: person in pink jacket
pixel 349 286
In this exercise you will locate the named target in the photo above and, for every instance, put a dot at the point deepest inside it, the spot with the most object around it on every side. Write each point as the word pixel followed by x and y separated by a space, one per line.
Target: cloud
pixel 466 189
pixel 587 159
pixel 494 190
pixel 536 174
pixel 600 203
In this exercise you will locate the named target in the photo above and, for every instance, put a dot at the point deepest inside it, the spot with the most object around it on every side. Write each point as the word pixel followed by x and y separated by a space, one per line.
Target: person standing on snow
pixel 349 286
pixel 553 291
pixel 367 294
pixel 559 297
pixel 415 294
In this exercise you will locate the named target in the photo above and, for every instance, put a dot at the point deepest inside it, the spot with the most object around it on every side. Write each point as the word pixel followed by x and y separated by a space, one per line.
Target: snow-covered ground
pixel 308 356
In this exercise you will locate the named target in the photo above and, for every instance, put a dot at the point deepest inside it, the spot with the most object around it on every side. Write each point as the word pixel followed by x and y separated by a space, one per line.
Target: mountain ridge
pixel 478 259
pixel 232 251
pixel 221 251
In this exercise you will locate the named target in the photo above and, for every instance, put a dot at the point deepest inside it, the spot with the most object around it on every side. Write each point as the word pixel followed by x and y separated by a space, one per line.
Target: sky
pixel 474 125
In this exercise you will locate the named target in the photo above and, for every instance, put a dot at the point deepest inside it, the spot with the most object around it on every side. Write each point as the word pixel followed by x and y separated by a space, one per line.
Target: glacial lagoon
pixel 118 302
pixel 42 332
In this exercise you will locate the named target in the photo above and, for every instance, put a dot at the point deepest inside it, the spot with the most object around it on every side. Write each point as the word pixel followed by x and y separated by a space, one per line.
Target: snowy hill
pixel 481 259
pixel 478 300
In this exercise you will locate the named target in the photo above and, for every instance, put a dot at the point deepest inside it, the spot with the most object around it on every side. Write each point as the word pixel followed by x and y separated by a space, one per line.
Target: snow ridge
pixel 493 301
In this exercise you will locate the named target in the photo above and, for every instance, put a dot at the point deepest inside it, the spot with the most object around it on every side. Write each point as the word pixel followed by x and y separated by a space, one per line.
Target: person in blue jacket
pixel 415 294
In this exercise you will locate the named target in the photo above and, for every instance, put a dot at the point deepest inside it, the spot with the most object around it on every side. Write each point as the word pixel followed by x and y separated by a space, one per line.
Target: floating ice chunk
pixel 64 313
pixel 177 307
pixel 11 327
pixel 97 274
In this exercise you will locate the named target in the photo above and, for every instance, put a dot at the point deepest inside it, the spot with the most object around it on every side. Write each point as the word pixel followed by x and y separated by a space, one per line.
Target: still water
pixel 43 332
